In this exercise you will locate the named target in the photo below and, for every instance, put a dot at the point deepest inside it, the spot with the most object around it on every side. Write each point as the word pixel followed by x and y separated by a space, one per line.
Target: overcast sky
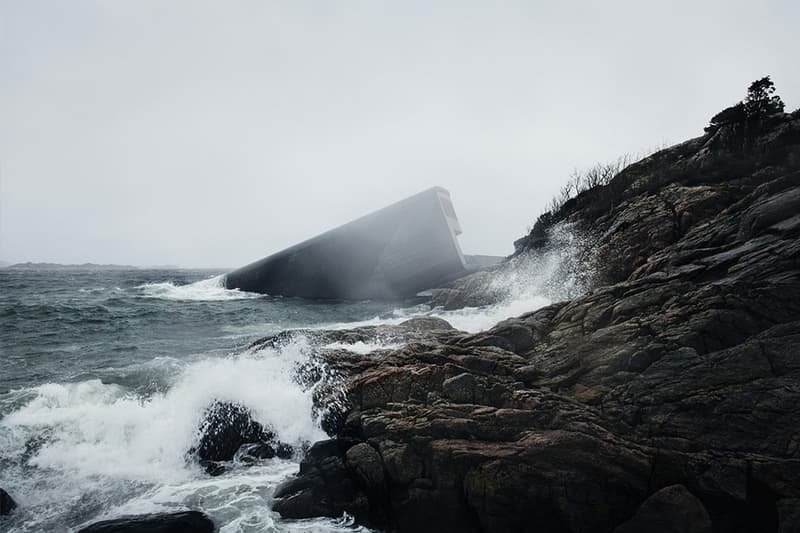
pixel 212 133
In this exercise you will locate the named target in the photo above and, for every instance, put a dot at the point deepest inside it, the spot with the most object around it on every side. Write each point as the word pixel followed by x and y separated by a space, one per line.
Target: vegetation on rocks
pixel 663 399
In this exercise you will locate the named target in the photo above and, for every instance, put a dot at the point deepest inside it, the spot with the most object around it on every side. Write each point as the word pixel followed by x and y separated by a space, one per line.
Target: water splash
pixel 561 270
pixel 73 447
pixel 212 289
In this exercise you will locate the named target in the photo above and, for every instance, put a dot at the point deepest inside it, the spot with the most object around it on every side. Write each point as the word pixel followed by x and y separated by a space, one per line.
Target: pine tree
pixel 761 99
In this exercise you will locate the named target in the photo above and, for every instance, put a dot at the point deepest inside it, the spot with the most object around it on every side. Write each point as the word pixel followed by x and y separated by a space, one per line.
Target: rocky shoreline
pixel 670 390
pixel 665 398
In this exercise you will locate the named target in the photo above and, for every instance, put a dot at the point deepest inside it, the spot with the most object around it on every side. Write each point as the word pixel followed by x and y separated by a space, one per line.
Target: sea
pixel 105 375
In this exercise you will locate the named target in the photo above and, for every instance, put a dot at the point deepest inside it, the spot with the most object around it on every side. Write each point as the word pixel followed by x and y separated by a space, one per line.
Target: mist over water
pixel 107 374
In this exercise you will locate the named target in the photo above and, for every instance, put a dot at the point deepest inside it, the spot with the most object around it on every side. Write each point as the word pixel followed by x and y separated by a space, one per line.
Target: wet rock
pixel 672 509
pixel 367 464
pixel 324 487
pixel 460 388
pixel 214 468
pixel 679 369
pixel 402 464
pixel 7 503
pixel 182 522
pixel 255 452
pixel 228 430
pixel 225 428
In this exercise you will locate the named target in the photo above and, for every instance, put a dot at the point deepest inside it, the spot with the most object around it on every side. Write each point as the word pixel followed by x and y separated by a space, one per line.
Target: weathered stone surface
pixel 367 465
pixel 7 503
pixel 325 486
pixel 680 367
pixel 672 509
pixel 182 522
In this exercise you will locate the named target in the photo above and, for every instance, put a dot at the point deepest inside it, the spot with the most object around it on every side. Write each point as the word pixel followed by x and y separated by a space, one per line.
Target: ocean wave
pixel 212 289
pixel 61 438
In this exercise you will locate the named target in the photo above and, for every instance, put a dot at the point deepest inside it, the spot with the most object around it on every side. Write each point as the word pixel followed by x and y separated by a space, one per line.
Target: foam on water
pixel 95 448
pixel 211 289
pixel 100 436
pixel 363 347
pixel 558 272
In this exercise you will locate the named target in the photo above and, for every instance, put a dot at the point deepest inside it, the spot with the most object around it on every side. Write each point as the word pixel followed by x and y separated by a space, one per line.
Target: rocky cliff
pixel 667 398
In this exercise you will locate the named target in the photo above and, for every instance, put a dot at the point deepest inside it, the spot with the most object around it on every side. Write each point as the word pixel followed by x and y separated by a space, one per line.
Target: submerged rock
pixel 181 522
pixel 7 503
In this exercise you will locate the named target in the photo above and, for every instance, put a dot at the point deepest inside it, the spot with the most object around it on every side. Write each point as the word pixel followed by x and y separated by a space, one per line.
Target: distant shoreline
pixel 94 266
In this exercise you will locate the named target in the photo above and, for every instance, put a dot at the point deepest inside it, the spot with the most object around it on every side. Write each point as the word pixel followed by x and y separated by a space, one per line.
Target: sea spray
pixel 97 418
pixel 211 289
pixel 561 270
pixel 72 443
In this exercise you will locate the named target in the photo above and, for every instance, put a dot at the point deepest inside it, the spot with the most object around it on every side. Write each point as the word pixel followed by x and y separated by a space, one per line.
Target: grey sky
pixel 212 133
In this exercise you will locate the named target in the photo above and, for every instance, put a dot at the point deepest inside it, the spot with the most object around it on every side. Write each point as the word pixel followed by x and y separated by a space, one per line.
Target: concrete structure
pixel 394 252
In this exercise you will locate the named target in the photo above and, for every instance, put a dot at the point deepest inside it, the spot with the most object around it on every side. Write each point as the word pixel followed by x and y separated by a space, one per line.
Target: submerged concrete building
pixel 394 252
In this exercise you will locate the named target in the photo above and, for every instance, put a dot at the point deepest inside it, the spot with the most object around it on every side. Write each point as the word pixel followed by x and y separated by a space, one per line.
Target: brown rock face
pixel 672 388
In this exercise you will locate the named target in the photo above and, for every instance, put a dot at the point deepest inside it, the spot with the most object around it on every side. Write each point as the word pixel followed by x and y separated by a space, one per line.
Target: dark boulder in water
pixel 326 486
pixel 250 453
pixel 182 522
pixel 226 427
pixel 7 503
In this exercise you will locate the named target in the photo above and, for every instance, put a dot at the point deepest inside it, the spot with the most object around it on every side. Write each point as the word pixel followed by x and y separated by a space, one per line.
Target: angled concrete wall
pixel 394 252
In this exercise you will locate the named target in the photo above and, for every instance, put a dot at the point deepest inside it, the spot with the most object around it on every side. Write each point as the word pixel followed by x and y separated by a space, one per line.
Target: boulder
pixel 7 503
pixel 325 486
pixel 181 522
pixel 366 463
pixel 672 509
pixel 228 428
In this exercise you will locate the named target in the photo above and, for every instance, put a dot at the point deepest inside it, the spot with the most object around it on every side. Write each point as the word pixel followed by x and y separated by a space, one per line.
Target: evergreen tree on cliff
pixel 761 101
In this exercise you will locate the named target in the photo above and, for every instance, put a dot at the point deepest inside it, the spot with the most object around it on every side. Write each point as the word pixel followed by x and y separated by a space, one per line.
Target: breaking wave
pixel 562 270
pixel 117 443
pixel 212 289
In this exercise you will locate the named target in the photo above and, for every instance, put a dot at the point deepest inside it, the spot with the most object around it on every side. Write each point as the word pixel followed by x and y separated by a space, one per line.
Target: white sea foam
pixel 558 272
pixel 561 271
pixel 363 347
pixel 102 430
pixel 93 445
pixel 99 437
pixel 205 290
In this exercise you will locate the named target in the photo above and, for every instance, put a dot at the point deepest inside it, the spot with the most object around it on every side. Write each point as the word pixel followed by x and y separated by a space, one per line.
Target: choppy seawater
pixel 104 375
